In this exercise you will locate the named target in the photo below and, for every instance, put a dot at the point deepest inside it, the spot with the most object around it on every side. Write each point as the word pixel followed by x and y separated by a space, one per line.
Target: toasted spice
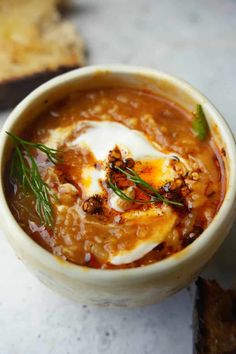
pixel 93 205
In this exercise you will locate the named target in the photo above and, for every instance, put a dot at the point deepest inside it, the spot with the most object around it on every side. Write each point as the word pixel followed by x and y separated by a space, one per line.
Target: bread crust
pixel 214 319
pixel 12 91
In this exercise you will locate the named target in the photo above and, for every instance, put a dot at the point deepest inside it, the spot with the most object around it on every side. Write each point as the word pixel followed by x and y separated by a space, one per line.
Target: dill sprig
pixel 122 195
pixel 138 181
pixel 25 169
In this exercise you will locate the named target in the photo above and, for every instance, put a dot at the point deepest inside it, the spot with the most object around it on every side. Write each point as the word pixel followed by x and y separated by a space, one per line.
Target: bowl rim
pixel 159 268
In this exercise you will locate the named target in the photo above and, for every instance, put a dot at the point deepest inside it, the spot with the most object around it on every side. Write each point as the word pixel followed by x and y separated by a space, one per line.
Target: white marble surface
pixel 191 39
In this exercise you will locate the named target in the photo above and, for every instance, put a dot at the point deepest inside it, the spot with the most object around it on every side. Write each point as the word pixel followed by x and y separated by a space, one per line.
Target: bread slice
pixel 35 45
pixel 214 319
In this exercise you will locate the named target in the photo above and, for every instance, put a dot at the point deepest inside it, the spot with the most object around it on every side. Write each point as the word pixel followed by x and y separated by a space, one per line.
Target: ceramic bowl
pixel 127 287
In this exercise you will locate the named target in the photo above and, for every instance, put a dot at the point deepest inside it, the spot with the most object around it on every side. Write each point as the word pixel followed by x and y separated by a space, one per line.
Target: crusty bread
pixel 214 319
pixel 35 44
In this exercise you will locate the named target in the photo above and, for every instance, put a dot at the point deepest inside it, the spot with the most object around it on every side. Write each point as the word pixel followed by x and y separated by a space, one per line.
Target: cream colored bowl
pixel 128 287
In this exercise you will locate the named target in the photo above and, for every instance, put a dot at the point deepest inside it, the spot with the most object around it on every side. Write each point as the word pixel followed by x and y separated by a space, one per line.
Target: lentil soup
pixel 133 181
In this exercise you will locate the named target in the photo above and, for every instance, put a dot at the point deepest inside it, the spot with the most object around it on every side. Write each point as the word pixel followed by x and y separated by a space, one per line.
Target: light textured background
pixel 195 40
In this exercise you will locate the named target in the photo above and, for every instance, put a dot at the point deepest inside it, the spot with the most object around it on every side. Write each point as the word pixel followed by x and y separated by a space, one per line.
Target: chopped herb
pixel 25 169
pixel 124 196
pixel 138 181
pixel 200 125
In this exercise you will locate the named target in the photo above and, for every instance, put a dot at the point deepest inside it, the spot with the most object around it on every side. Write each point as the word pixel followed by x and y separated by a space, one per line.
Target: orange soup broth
pixel 87 241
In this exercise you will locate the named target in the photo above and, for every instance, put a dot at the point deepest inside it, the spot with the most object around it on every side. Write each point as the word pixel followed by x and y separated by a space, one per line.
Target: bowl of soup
pixel 117 184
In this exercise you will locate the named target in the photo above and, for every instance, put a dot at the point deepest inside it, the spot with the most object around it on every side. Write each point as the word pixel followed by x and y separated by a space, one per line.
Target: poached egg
pixel 99 138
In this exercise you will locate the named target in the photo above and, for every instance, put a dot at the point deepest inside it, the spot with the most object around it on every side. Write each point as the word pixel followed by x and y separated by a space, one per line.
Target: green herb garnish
pixel 138 181
pixel 200 125
pixel 25 169
pixel 124 196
